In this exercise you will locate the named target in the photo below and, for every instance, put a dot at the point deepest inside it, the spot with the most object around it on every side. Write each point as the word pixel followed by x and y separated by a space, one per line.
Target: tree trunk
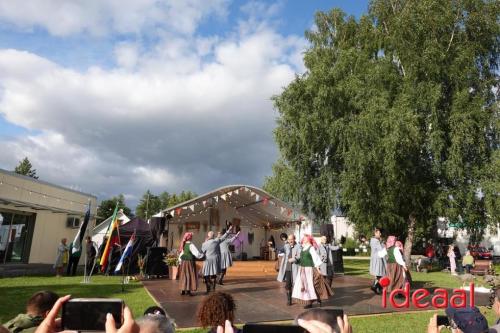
pixel 409 239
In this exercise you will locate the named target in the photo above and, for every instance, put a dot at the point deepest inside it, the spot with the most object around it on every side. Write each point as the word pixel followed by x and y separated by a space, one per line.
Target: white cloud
pixel 191 112
pixel 98 17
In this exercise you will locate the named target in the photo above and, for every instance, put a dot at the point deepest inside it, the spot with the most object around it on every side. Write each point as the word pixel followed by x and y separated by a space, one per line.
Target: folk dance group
pixel 217 259
pixel 306 269
pixel 387 261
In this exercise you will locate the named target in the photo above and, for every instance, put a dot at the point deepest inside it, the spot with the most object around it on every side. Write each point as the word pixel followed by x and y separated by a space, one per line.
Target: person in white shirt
pixel 396 266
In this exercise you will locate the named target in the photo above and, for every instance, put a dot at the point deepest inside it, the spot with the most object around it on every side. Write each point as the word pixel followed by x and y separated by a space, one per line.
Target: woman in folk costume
pixel 188 280
pixel 226 260
pixel 396 266
pixel 309 285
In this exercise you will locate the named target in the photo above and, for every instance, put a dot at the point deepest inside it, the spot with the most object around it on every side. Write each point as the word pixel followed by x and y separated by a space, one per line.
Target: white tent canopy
pixel 252 205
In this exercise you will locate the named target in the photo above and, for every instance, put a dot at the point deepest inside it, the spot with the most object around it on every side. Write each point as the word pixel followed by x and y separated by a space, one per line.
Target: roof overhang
pixel 16 204
pixel 253 206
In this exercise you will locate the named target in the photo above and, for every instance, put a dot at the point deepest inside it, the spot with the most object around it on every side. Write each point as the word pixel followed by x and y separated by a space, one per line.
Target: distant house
pixel 35 215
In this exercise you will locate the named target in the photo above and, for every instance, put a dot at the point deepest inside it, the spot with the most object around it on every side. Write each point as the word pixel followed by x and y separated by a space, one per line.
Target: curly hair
pixel 215 309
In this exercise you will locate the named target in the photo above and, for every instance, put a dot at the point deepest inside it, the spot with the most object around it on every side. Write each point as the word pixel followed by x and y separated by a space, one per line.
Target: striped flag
pixel 77 242
pixel 127 252
pixel 113 226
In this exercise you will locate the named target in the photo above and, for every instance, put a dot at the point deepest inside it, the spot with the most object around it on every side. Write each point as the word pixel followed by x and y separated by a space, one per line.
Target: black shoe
pixel 220 282
pixel 289 299
pixel 319 302
pixel 308 306
pixel 183 292
pixel 214 284
pixel 189 293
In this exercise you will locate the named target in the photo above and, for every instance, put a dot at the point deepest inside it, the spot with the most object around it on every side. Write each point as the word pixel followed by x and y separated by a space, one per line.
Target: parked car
pixel 480 252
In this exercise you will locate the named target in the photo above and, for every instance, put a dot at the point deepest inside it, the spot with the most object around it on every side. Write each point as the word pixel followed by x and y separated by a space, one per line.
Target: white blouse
pixel 194 251
pixel 314 254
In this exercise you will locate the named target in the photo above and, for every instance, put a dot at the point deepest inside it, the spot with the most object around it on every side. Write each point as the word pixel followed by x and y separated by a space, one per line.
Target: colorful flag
pixel 127 252
pixel 111 234
pixel 77 242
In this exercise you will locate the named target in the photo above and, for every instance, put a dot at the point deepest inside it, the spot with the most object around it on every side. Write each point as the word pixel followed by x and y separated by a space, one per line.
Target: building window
pixel 73 222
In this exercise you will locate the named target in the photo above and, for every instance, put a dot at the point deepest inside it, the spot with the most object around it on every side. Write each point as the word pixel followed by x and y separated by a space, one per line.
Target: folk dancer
pixel 310 285
pixel 325 253
pixel 188 280
pixel 377 260
pixel 211 265
pixel 226 260
pixel 289 266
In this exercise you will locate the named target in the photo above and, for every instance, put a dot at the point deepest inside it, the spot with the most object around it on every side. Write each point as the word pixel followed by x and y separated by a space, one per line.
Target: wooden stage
pixel 259 297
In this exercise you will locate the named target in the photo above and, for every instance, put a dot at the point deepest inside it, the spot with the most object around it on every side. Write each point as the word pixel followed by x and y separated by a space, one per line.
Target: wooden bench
pixel 483 267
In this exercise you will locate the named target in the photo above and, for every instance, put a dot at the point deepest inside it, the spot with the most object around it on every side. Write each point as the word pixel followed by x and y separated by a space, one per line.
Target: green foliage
pixel 107 207
pixel 25 168
pixel 151 204
pixel 395 120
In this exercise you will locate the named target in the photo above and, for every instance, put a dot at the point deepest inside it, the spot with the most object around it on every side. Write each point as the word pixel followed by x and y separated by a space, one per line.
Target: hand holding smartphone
pixel 89 314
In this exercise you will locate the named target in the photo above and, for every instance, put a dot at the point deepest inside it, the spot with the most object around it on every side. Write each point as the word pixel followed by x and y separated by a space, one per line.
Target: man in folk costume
pixel 211 265
pixel 325 253
pixel 289 265
pixel 226 260
pixel 309 285
pixel 396 266
pixel 188 280
pixel 377 260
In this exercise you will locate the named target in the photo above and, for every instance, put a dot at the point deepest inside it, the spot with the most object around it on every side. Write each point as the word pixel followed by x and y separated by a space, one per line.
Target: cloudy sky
pixel 118 96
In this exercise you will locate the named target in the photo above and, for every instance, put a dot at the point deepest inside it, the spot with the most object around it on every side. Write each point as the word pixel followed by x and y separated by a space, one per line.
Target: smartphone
pixel 272 328
pixel 89 314
pixel 443 321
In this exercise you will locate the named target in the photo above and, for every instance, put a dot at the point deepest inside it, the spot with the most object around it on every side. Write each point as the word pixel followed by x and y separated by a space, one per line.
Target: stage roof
pixel 253 206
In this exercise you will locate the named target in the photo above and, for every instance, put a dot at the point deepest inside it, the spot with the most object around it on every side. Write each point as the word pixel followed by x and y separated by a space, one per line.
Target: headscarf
pixel 391 241
pixel 399 245
pixel 310 239
pixel 187 237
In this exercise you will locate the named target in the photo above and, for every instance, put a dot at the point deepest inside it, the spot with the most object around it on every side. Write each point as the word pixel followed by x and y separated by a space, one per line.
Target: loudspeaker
pixel 154 261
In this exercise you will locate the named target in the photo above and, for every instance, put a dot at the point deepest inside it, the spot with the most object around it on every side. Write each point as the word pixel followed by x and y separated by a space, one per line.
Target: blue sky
pixel 77 53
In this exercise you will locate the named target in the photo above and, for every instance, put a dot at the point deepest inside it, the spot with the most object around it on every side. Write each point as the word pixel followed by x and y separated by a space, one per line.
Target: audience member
pixel 215 309
pixel 323 321
pixel 154 310
pixel 37 308
pixel 496 307
pixel 62 257
pixel 462 320
pixel 468 261
pixel 155 323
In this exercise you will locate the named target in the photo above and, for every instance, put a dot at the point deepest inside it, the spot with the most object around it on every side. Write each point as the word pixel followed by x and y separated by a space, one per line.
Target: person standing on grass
pixel 468 261
pixel 61 258
pixel 451 256
pixel 74 258
pixel 377 260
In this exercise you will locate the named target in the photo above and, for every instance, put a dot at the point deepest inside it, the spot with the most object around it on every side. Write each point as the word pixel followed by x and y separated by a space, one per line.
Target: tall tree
pixel 107 207
pixel 395 119
pixel 25 168
pixel 149 205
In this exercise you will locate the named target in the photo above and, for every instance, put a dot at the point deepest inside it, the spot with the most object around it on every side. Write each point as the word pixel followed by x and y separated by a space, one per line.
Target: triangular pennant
pixel 223 197
pixel 172 213
pixel 237 191
pixel 178 211
pixel 191 207
pixel 216 199
pixel 204 203
pixel 265 201
pixel 257 197
pixel 282 210
pixel 229 194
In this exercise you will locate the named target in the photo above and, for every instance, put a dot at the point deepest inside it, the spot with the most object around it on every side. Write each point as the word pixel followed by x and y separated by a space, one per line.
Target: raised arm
pixel 223 237
pixel 232 238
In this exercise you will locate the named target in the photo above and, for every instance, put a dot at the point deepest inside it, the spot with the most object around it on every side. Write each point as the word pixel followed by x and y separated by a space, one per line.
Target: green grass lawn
pixel 359 267
pixel 16 291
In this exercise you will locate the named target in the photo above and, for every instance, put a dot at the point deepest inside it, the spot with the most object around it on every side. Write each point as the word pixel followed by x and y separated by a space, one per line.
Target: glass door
pixel 15 237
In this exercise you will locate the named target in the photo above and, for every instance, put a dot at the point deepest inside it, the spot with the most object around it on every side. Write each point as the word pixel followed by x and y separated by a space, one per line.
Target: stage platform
pixel 259 297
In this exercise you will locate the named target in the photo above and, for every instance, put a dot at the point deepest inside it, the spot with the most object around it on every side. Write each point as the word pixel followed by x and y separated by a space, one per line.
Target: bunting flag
pixel 192 208
pixel 223 197
pixel 265 201
pixel 204 203
pixel 172 213
pixel 77 242
pixel 112 234
pixel 237 191
pixel 178 211
pixel 230 193
pixel 282 210
pixel 127 252
pixel 257 197
pixel 289 212
pixel 216 199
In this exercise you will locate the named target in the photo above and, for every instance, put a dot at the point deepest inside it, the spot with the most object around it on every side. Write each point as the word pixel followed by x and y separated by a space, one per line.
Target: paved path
pixel 263 299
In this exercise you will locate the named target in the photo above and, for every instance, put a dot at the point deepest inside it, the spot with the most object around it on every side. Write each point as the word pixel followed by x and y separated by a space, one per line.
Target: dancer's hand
pixel 129 325
pixel 228 328
pixel 51 323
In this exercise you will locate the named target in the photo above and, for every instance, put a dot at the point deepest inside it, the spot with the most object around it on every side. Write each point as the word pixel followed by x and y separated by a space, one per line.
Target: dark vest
pixel 306 259
pixel 186 253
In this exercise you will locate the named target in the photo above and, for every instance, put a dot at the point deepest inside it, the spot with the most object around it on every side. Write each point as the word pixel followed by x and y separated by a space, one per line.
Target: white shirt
pixel 194 251
pixel 399 257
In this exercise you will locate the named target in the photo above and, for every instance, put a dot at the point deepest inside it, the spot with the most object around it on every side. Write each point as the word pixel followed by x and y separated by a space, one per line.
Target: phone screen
pixel 443 321
pixel 272 328
pixel 89 314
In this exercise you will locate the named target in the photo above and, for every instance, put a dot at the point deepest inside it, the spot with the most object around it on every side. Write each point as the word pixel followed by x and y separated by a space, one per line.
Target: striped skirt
pixel 188 279
pixel 309 285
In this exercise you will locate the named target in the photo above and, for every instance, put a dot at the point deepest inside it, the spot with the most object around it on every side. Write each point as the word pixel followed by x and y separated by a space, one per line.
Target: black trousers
pixel 90 262
pixel 288 280
pixel 72 265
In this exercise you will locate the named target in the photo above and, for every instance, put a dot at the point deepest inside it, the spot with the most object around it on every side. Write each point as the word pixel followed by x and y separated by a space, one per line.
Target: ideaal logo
pixel 439 299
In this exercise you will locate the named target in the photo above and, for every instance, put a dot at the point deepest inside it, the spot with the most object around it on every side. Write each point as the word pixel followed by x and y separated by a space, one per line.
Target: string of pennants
pixel 189 210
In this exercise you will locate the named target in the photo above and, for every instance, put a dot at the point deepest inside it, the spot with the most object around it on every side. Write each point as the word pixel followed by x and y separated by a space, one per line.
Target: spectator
pixel 74 258
pixel 468 261
pixel 451 256
pixel 91 254
pixel 496 308
pixel 62 257
pixel 323 321
pixel 155 310
pixel 462 320
pixel 155 323
pixel 215 309
pixel 37 308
